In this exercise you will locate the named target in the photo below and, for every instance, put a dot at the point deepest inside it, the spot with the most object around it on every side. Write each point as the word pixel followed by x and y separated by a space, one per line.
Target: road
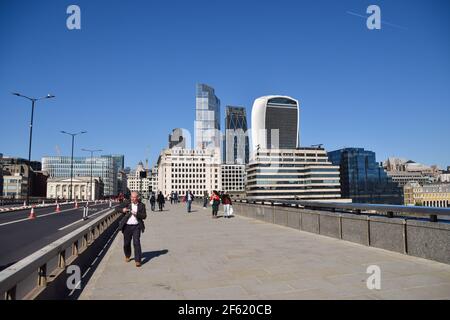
pixel 20 236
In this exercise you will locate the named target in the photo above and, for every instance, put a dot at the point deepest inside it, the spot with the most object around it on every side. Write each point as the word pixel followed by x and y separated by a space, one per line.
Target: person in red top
pixel 215 202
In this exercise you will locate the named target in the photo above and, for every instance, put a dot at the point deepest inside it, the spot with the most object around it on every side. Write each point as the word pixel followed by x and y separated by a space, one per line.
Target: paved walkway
pixel 196 257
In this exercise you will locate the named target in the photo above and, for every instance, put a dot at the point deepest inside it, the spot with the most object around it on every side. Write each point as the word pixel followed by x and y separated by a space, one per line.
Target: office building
pixel 363 179
pixel 139 180
pixel 431 195
pixel 275 123
pixel 16 176
pixel 58 188
pixel 302 174
pixel 236 140
pixel 104 167
pixel 233 178
pixel 197 170
pixel 179 138
pixel 207 118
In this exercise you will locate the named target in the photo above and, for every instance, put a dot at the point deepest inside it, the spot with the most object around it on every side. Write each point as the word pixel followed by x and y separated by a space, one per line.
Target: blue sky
pixel 128 76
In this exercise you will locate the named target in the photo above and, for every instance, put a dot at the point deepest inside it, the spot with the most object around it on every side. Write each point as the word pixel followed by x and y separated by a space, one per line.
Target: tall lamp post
pixel 92 156
pixel 33 101
pixel 71 159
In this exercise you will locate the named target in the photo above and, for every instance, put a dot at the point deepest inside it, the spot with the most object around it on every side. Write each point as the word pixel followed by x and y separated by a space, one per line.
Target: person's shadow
pixel 147 256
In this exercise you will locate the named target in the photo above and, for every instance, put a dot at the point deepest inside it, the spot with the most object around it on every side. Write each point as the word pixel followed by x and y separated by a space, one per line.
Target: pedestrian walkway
pixel 192 256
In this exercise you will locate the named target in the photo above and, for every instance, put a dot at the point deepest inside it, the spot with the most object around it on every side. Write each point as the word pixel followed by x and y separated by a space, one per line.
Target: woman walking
pixel 161 201
pixel 226 201
pixel 215 202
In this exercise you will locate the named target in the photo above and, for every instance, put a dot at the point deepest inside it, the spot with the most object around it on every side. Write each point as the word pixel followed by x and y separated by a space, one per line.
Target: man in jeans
pixel 132 224
pixel 189 198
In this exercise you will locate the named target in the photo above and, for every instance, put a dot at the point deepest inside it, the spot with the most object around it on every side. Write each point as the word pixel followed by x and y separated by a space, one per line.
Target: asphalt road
pixel 20 236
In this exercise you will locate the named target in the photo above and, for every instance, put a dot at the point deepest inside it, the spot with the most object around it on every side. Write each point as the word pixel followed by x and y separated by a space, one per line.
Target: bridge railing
pixel 390 211
pixel 31 276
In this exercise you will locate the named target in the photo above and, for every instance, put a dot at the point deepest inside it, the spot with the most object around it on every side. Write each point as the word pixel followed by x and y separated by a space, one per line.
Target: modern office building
pixel 233 178
pixel 275 123
pixel 139 180
pixel 58 188
pixel 236 140
pixel 401 178
pixel 197 170
pixel 363 179
pixel 207 118
pixel 179 138
pixel 104 167
pixel 302 173
pixel 432 195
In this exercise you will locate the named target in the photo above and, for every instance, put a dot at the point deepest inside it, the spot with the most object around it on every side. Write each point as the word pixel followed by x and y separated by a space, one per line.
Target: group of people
pixel 159 198
pixel 215 199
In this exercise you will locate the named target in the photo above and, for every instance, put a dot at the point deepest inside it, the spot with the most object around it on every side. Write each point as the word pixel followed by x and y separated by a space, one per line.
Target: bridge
pixel 266 251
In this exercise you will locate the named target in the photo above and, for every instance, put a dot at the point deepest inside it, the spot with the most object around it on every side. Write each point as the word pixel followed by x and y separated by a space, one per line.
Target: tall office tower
pixel 275 123
pixel 207 118
pixel 179 138
pixel 103 167
pixel 236 141
pixel 363 179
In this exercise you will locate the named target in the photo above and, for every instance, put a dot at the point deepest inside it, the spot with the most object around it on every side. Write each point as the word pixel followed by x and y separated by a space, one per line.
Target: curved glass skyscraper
pixel 275 123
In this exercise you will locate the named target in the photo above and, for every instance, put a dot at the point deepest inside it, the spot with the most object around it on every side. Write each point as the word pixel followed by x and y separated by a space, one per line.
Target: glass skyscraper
pixel 207 118
pixel 105 167
pixel 363 179
pixel 236 141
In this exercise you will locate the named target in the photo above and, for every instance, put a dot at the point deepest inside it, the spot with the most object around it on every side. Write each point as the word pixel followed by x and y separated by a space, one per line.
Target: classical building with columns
pixel 431 195
pixel 58 188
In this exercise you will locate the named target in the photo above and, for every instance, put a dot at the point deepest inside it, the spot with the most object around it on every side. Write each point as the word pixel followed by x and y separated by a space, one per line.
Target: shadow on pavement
pixel 147 256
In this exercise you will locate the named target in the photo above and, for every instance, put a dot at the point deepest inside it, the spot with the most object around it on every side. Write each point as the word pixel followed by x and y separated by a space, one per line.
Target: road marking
pixel 81 220
pixel 40 216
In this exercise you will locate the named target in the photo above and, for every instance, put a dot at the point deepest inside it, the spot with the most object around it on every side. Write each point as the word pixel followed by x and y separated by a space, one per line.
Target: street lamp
pixel 33 100
pixel 92 153
pixel 71 159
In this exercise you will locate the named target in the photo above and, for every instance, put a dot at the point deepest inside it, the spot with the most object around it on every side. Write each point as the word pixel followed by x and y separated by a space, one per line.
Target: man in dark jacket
pixel 131 225
pixel 160 199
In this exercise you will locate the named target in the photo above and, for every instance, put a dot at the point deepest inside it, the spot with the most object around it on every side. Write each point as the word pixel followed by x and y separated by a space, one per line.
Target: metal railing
pixel 357 208
pixel 38 265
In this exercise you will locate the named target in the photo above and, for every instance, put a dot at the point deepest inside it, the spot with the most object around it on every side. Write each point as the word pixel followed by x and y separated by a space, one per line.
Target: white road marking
pixel 40 216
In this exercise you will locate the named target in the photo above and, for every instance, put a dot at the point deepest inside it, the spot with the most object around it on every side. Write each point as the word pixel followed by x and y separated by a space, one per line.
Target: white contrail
pixel 382 21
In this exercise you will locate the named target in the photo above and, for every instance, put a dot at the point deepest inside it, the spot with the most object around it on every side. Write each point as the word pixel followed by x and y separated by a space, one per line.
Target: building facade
pixel 233 178
pixel 275 123
pixel 363 179
pixel 401 178
pixel 303 174
pixel 139 180
pixel 104 167
pixel 197 170
pixel 207 118
pixel 432 195
pixel 236 140
pixel 59 188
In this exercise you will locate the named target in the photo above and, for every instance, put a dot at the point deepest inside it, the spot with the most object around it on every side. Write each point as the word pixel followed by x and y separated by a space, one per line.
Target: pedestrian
pixel 160 201
pixel 226 201
pixel 172 197
pixel 189 198
pixel 176 197
pixel 152 201
pixel 132 225
pixel 215 202
pixel 205 199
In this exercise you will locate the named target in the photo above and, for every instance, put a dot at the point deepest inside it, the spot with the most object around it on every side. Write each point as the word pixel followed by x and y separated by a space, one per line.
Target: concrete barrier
pixel 355 228
pixel 424 239
pixel 387 233
pixel 310 221
pixel 429 240
pixel 330 224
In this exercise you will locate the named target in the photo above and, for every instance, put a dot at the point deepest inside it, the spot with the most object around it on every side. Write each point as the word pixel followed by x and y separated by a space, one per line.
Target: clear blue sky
pixel 128 76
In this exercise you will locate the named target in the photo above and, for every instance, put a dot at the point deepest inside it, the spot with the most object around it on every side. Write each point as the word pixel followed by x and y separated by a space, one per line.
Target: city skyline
pixel 358 88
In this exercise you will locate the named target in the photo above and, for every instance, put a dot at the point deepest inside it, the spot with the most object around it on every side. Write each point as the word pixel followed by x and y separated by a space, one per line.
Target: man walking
pixel 132 224
pixel 160 199
pixel 189 198
pixel 152 201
